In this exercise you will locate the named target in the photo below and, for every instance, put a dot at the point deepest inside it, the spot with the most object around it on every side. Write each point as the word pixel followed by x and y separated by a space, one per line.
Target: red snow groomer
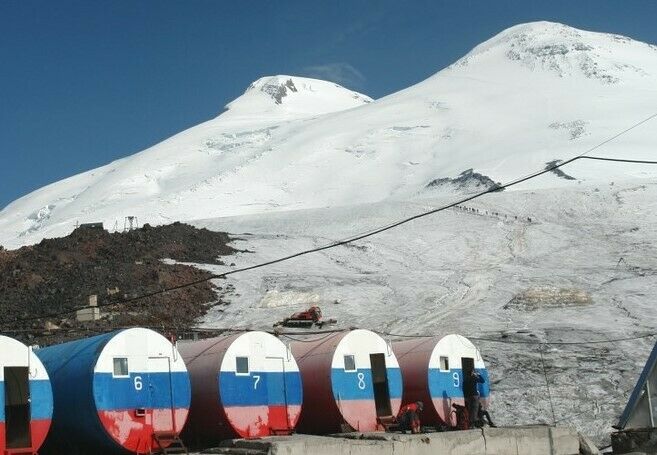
pixel 306 319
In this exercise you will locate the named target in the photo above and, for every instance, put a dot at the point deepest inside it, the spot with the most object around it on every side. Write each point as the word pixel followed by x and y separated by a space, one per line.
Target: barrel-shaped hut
pixel 126 391
pixel 351 379
pixel 25 398
pixel 433 370
pixel 244 385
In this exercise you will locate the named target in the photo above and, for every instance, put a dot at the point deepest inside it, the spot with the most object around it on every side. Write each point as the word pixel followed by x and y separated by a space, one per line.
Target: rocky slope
pixel 58 275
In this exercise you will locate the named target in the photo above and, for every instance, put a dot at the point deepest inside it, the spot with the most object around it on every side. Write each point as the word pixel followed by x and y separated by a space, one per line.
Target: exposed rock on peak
pixel 293 97
pixel 564 51
pixel 277 90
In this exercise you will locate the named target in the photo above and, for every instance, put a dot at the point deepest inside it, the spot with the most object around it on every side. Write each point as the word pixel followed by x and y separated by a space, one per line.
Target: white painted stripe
pixel 361 343
pixel 13 353
pixel 260 348
pixel 454 347
pixel 138 345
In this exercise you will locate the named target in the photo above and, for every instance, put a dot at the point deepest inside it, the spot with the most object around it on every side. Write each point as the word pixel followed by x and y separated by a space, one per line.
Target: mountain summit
pixel 565 51
pixel 292 96
pixel 532 95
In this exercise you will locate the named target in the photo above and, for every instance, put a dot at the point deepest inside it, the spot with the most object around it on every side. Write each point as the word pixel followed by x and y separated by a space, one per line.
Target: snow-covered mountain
pixel 533 94
pixel 296 163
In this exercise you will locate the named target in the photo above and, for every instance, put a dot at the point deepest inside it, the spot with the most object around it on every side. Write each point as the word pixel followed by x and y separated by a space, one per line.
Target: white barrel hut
pixel 25 398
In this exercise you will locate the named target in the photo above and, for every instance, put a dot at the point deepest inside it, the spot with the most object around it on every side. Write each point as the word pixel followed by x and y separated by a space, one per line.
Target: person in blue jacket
pixel 471 383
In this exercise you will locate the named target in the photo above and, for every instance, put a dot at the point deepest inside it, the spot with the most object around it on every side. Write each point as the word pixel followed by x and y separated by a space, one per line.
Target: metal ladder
pixel 388 423
pixel 169 443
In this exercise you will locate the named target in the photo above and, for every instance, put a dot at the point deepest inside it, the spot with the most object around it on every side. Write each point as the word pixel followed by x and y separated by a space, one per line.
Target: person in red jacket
pixel 409 417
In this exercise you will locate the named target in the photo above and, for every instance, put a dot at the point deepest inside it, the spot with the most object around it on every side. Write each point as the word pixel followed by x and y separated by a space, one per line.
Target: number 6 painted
pixel 138 383
pixel 257 380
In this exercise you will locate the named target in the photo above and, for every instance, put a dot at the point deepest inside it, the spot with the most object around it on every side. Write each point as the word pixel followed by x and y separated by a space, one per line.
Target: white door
pixel 161 393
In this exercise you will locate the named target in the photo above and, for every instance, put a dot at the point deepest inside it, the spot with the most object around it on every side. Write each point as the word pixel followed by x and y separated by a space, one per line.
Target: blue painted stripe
pixel 395 383
pixel 449 384
pixel 272 388
pixel 41 400
pixel 141 390
pixel 357 385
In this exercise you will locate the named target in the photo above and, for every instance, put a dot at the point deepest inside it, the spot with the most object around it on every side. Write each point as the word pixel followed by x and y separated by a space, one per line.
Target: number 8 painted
pixel 361 381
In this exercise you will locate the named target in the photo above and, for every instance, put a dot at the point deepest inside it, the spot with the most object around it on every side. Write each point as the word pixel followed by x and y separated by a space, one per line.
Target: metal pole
pixel 287 409
pixel 652 420
pixel 547 385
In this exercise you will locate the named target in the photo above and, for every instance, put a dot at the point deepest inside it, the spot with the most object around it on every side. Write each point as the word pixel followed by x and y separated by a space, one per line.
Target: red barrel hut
pixel 350 380
pixel 243 386
pixel 433 370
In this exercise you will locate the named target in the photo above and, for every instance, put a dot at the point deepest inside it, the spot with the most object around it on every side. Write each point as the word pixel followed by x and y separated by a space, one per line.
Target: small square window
pixel 349 363
pixel 444 363
pixel 121 367
pixel 242 365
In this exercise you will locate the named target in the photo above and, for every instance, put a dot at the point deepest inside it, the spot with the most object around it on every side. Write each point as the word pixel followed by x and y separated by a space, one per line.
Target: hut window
pixel 349 363
pixel 242 365
pixel 444 363
pixel 121 367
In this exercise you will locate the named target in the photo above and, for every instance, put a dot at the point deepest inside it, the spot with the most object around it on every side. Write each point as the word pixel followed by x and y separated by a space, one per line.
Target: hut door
pixel 380 385
pixel 467 367
pixel 161 393
pixel 279 418
pixel 17 408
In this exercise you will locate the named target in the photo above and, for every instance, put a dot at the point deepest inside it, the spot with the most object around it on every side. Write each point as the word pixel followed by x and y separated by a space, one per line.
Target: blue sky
pixel 85 82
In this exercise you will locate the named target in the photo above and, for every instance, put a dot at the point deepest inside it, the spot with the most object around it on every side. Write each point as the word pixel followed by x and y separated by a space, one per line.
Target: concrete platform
pixel 531 440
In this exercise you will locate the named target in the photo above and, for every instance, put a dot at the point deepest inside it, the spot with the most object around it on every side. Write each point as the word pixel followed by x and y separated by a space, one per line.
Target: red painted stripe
pixel 445 410
pixel 361 414
pixel 395 405
pixel 260 421
pixel 39 429
pixel 135 433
